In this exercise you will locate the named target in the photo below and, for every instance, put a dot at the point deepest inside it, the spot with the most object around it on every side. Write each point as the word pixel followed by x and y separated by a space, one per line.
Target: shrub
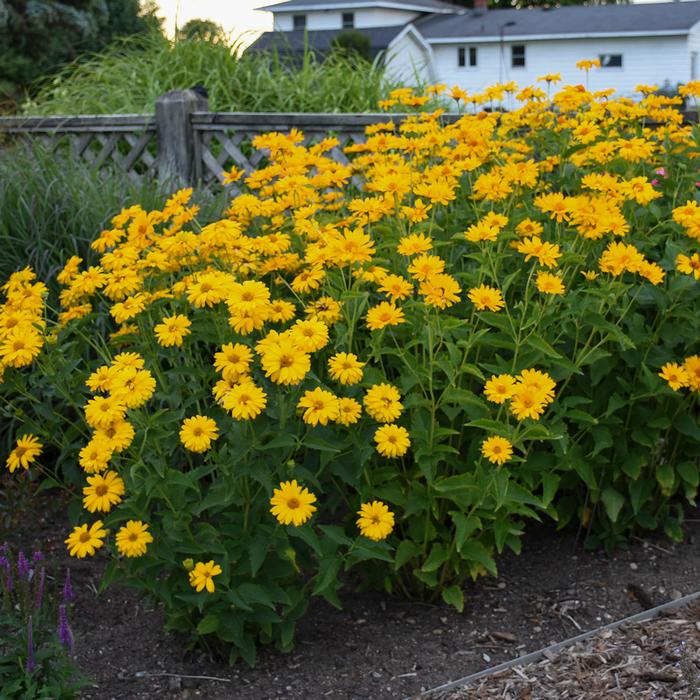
pixel 130 75
pixel 499 325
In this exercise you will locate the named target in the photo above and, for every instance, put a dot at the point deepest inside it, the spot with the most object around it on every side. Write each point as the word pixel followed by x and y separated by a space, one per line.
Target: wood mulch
pixel 657 659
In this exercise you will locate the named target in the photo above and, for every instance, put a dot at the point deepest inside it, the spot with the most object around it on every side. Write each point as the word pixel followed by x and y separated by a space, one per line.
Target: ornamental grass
pixel 392 365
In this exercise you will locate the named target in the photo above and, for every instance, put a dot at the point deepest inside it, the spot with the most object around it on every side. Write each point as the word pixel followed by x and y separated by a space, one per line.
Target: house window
pixel 610 60
pixel 463 56
pixel 299 21
pixel 348 20
pixel 517 55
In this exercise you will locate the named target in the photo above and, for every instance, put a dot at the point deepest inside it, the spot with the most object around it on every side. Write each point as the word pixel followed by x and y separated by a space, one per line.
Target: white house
pixel 435 41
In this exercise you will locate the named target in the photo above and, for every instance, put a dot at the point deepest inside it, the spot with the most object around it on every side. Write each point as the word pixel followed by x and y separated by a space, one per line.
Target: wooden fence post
pixel 175 136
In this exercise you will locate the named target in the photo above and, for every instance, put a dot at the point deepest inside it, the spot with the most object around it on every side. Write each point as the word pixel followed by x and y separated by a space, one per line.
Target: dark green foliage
pixel 201 30
pixel 353 43
pixel 37 38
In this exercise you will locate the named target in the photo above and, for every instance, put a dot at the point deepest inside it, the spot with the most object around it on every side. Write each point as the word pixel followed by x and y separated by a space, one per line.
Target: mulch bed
pixel 377 647
pixel 653 659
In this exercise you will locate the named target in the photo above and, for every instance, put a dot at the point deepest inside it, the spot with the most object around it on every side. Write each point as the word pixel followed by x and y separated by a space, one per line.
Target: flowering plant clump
pixel 36 641
pixel 391 363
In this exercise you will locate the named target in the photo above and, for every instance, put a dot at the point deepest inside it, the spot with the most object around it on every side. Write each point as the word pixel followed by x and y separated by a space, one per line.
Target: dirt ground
pixel 376 647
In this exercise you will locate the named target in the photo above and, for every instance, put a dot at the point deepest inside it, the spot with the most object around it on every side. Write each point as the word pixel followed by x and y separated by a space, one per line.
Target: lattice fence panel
pixel 219 150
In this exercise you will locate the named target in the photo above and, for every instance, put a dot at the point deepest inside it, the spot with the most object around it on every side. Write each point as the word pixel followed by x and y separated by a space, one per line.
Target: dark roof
pixel 429 5
pixel 295 41
pixel 572 19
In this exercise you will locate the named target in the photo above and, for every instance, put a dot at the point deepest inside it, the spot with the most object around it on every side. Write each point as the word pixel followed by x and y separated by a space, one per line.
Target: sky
pixel 235 16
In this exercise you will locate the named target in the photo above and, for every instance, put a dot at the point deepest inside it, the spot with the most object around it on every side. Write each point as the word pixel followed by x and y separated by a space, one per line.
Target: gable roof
pixel 569 21
pixel 309 5
pixel 295 42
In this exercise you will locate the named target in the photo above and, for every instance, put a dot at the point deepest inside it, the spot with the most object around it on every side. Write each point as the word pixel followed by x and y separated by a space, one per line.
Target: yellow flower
pixel 286 364
pixel 414 244
pixel 133 386
pixel 20 346
pixel 500 388
pixel 102 411
pixel 425 266
pixel 485 297
pixel 496 449
pixel 85 540
pixel 689 265
pixel 324 309
pixel 292 504
pixel 440 290
pixel 103 492
pixel 349 411
pixel 384 314
pixel 198 432
pixel 675 374
pixel 309 335
pixel 376 521
pixel 245 401
pixel 396 287
pixel 233 361
pixel 346 368
pixel 548 283
pixel 527 403
pixel 382 403
pixel 172 330
pixel 133 539
pixel 95 456
pixel 319 406
pixel 392 440
pixel 27 449
pixel 202 576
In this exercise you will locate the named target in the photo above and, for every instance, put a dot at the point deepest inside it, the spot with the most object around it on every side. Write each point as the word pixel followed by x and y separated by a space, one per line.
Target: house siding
pixel 409 61
pixel 333 19
pixel 645 60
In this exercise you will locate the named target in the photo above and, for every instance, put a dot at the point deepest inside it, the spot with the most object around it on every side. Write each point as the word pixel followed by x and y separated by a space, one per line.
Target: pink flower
pixel 654 182
pixel 662 172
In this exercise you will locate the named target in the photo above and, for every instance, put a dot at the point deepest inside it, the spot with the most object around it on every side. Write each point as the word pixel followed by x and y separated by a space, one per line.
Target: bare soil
pixel 376 647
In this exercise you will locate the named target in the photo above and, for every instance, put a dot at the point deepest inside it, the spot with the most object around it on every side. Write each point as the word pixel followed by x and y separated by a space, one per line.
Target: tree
pixel 202 30
pixel 39 36
pixel 354 43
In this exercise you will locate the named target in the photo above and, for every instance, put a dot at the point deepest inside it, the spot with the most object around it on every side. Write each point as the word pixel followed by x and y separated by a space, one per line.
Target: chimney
pixel 480 6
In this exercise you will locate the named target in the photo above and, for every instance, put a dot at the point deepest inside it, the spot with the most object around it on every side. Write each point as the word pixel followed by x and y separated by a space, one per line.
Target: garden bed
pixel 378 647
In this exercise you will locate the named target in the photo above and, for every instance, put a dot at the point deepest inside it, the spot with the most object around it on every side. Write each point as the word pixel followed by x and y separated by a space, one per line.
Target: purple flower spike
pixel 37 557
pixel 5 548
pixel 22 567
pixel 39 589
pixel 31 662
pixel 65 636
pixel 68 594
pixel 5 564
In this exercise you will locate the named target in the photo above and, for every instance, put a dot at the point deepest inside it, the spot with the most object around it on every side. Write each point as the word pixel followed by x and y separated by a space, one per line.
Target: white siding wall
pixel 333 19
pixel 694 48
pixel 645 60
pixel 409 61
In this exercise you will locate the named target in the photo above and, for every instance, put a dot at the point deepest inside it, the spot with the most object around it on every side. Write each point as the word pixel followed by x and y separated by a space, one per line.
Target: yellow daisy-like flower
pixel 233 360
pixel 500 388
pixel 486 298
pixel 292 504
pixel 133 539
pixel 425 266
pixel 102 411
pixel 86 539
pixel 95 456
pixel 172 330
pixel 392 440
pixel 497 449
pixel 202 576
pixel 527 403
pixel 441 291
pixel 675 374
pixel 286 364
pixel 382 403
pixel 26 450
pixel 118 435
pixel 396 287
pixel 384 314
pixel 549 283
pixel 376 521
pixel 309 335
pixel 414 244
pixel 133 387
pixel 349 411
pixel 319 406
pixel 692 367
pixel 104 491
pixel 245 401
pixel 346 368
pixel 198 432
pixel 689 265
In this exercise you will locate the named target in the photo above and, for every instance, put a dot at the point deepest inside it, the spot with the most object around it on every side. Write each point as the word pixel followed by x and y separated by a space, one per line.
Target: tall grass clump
pixel 52 204
pixel 128 78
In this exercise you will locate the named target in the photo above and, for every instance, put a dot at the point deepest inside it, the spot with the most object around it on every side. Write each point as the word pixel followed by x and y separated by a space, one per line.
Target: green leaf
pixel 688 426
pixel 437 557
pixel 475 551
pixel 613 501
pixel 454 596
pixel 465 526
pixel 404 553
pixel 688 471
pixel 665 476
pixel 257 551
pixel 208 624
pixel 550 484
pixel 541 345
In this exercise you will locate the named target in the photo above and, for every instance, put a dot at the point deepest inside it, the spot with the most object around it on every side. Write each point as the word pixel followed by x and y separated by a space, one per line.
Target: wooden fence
pixel 183 143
